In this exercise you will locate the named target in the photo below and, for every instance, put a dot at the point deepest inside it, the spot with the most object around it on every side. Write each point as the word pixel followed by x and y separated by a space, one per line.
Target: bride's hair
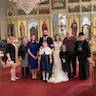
pixel 56 36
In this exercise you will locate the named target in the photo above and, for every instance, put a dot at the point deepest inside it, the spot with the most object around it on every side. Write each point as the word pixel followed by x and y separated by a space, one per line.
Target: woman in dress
pixel 11 55
pixel 58 75
pixel 23 57
pixel 33 49
pixel 83 53
pixel 45 53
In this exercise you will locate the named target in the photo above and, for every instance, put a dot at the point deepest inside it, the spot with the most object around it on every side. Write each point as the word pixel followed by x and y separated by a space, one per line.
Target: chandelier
pixel 27 5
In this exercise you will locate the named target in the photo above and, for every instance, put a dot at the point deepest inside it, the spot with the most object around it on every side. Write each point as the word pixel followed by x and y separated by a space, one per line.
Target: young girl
pixel 45 53
pixel 23 57
pixel 33 49
pixel 64 58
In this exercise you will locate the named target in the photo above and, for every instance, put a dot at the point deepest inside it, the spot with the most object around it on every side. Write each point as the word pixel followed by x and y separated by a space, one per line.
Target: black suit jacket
pixel 11 50
pixel 49 41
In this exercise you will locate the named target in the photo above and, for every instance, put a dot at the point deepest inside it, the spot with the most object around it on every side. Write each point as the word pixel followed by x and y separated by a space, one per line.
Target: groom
pixel 45 37
pixel 49 40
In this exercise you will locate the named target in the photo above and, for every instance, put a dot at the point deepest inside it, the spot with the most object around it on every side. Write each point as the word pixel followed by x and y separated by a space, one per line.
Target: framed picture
pixel 33 12
pixel 44 10
pixel 85 25
pixel 22 28
pixel 86 7
pixel 44 2
pixel 73 1
pixel 62 24
pixel 10 27
pixel 33 28
pixel 55 24
pixel 58 4
pixel 45 25
pixel 75 8
pixel 73 25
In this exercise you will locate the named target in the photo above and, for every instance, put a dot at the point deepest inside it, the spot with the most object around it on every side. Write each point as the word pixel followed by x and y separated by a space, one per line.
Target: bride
pixel 58 75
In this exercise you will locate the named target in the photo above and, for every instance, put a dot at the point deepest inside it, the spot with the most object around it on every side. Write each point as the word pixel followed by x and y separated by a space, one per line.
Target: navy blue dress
pixel 34 48
pixel 45 63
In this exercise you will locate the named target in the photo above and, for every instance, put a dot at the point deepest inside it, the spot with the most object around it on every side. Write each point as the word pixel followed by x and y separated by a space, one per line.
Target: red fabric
pixel 30 87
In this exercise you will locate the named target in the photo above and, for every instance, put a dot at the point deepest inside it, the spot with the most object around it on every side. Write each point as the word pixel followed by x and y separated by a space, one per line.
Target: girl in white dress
pixel 58 75
pixel 45 58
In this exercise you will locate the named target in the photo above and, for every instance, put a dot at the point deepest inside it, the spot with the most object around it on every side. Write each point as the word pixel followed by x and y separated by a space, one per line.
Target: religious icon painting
pixel 74 9
pixel 33 28
pixel 44 25
pixel 58 4
pixel 55 24
pixel 62 24
pixel 73 25
pixel 44 10
pixel 85 24
pixel 10 27
pixel 86 7
pixel 22 28
pixel 44 2
pixel 33 12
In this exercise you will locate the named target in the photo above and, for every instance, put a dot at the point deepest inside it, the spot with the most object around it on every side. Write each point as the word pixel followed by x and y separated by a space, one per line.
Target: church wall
pixel 72 10
pixel 3 4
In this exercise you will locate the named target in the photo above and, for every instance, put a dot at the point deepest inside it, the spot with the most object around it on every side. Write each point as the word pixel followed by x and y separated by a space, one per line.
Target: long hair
pixel 56 36
pixel 31 37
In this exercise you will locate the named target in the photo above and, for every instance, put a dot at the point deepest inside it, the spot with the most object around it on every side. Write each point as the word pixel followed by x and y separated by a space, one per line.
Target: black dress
pixel 45 59
pixel 48 39
pixel 64 59
pixel 83 52
pixel 23 53
pixel 11 50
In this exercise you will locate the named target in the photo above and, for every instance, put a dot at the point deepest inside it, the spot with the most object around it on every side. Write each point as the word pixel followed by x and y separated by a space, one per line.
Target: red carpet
pixel 39 88
pixel 89 92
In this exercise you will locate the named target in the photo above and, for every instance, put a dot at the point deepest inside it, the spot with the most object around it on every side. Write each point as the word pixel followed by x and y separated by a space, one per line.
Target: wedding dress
pixel 58 75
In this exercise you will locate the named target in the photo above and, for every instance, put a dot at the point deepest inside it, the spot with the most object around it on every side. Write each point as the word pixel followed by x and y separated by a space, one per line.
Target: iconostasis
pixel 27 27
pixel 56 16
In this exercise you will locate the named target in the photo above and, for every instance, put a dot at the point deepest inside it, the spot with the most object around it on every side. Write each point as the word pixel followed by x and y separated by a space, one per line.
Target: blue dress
pixel 45 64
pixel 34 48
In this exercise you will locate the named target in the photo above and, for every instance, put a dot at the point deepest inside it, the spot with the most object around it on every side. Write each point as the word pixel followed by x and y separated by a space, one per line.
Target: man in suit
pixel 49 40
pixel 45 37
pixel 70 41
pixel 83 53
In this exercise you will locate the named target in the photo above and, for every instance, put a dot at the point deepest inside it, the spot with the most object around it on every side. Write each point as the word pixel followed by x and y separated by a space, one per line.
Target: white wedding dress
pixel 58 75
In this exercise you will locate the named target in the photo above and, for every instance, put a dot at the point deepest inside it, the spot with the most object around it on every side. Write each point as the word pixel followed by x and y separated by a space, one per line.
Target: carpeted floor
pixel 30 87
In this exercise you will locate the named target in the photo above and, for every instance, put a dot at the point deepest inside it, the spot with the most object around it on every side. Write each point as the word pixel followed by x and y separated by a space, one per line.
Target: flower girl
pixel 45 53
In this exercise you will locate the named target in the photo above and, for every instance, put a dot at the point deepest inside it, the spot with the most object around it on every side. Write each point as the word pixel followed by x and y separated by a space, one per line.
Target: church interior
pixel 26 17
